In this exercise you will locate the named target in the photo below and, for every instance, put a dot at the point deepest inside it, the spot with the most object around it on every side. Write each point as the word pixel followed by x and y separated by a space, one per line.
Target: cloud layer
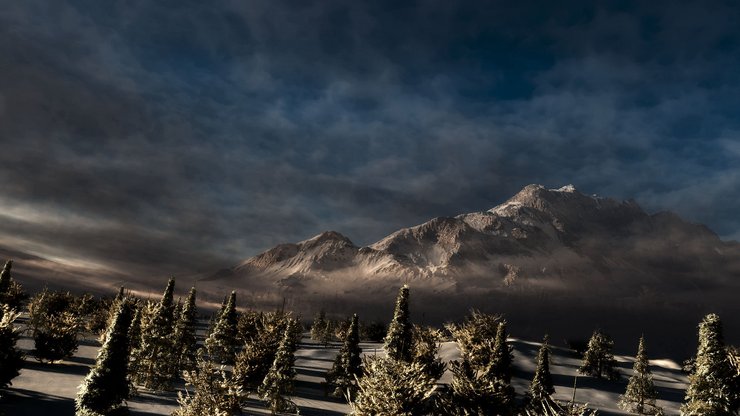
pixel 179 136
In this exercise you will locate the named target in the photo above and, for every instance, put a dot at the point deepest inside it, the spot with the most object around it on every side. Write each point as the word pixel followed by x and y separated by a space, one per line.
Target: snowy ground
pixel 49 389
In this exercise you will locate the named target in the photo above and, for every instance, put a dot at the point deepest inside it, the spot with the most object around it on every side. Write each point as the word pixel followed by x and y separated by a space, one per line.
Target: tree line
pixel 151 344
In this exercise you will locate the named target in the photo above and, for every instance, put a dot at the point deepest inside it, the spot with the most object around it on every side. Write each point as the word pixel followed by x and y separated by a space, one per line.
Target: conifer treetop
pixel 5 276
pixel 106 386
pixel 542 385
pixel 399 340
pixel 641 394
pixel 711 390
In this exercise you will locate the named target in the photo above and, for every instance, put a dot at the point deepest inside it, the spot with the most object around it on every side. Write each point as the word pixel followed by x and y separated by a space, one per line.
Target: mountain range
pixel 555 251
pixel 550 238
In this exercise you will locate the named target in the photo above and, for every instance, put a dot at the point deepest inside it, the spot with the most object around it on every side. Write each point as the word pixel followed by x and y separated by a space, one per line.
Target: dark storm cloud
pixel 181 136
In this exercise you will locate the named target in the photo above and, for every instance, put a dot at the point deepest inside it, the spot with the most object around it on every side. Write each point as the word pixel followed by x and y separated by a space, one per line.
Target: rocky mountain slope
pixel 552 260
pixel 550 238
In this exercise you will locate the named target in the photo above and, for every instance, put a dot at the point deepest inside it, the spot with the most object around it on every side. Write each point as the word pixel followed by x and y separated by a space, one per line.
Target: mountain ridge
pixel 536 232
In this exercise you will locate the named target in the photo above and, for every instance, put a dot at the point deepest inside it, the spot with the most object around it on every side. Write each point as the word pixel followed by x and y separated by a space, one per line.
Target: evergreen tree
pixel 11 293
pixel 5 277
pixel 711 391
pixel 253 362
pixel 221 343
pixel 215 394
pixel 279 380
pixel 106 386
pixel 390 387
pixel 134 336
pixel 347 365
pixel 481 380
pixel 502 355
pixel 474 335
pixel 55 325
pixel 641 394
pixel 399 340
pixel 426 347
pixel 477 392
pixel 599 361
pixel 542 386
pixel 318 328
pixel 11 358
pixel 156 356
pixel 185 340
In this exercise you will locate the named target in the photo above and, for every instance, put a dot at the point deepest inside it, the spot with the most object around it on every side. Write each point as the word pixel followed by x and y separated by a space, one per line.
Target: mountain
pixel 537 236
pixel 556 247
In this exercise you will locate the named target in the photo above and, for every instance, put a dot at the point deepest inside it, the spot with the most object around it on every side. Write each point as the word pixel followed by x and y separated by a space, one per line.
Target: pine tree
pixel 542 386
pixel 426 348
pixel 480 384
pixel 5 277
pixel 185 340
pixel 399 340
pixel 318 328
pixel 599 361
pixel 134 337
pixel 11 358
pixel 221 343
pixel 390 387
pixel 641 394
pixel 347 365
pixel 215 394
pixel 11 293
pixel 106 386
pixel 473 336
pixel 156 356
pixel 55 325
pixel 253 362
pixel 476 392
pixel 710 390
pixel 279 380
pixel 502 355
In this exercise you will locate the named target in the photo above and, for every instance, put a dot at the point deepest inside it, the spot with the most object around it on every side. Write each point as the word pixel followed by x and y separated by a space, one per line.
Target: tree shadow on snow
pixel 22 402
pixel 60 367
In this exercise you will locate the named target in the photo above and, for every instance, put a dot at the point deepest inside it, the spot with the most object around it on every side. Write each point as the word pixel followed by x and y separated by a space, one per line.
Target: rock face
pixel 548 238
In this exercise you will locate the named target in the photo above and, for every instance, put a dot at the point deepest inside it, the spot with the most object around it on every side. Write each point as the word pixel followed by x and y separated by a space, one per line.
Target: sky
pixel 166 137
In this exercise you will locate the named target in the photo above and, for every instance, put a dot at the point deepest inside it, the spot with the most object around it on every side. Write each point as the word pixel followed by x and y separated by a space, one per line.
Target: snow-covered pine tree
pixel 390 387
pixel 253 362
pixel 474 335
pixel 156 357
pixel 347 364
pixel 55 324
pixel 640 396
pixel 426 347
pixel 11 292
pixel 221 343
pixel 599 360
pixel 106 386
pixel 112 311
pixel 502 355
pixel 11 358
pixel 542 386
pixel 476 392
pixel 399 341
pixel 215 394
pixel 185 340
pixel 134 336
pixel 711 390
pixel 5 277
pixel 278 384
pixel 318 327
